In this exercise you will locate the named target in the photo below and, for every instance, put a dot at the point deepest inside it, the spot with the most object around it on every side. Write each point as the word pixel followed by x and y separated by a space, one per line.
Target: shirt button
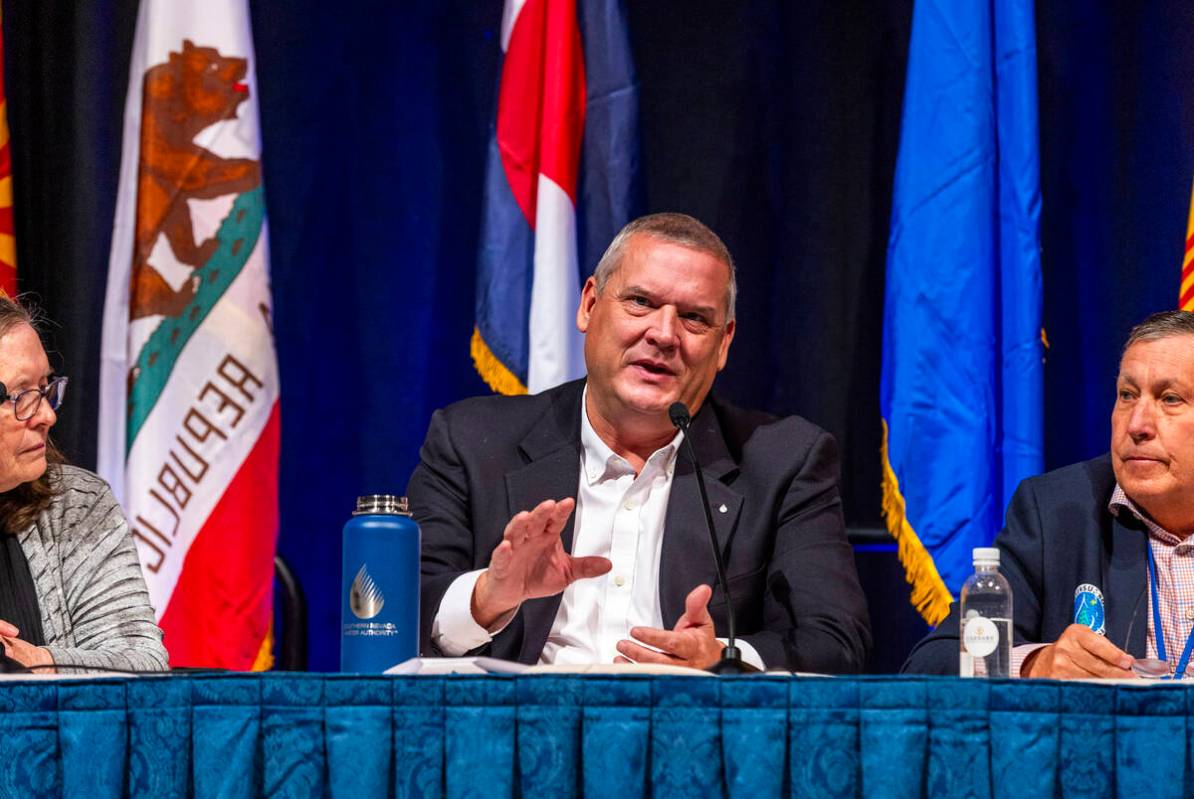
pixel 1189 614
pixel 619 581
pixel 629 505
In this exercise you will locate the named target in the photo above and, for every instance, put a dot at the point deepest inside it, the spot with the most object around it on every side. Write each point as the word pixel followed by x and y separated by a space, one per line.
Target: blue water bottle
pixel 379 616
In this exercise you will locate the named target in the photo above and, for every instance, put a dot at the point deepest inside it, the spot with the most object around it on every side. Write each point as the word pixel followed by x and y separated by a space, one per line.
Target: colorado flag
pixel 561 181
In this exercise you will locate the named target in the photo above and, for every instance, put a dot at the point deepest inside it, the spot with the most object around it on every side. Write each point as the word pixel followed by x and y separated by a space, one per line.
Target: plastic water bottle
pixel 379 614
pixel 986 623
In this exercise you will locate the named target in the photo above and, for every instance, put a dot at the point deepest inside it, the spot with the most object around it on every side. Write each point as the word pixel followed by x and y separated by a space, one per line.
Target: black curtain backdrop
pixel 1117 161
pixel 776 123
pixel 65 73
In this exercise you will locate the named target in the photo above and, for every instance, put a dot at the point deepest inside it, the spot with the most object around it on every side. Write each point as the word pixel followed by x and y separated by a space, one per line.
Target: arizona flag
pixel 561 181
pixel 8 240
pixel 962 386
pixel 1185 294
pixel 189 425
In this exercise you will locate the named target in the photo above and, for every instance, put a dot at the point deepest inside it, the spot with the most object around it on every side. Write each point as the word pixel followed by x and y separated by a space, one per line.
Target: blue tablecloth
pixel 549 737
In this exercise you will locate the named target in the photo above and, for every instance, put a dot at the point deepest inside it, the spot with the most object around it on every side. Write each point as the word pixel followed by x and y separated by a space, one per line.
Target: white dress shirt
pixel 620 516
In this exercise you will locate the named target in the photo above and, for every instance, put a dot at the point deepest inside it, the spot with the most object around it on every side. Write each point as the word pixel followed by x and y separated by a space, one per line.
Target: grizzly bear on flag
pixel 193 90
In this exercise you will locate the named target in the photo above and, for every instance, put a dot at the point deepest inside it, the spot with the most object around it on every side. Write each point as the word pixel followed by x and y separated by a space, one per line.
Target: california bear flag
pixel 188 433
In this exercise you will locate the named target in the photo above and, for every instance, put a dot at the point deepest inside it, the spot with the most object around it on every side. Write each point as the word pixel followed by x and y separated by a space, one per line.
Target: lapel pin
pixel 723 509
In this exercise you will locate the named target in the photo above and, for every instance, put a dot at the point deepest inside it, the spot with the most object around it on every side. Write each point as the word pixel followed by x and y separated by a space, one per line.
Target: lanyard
pixel 1158 633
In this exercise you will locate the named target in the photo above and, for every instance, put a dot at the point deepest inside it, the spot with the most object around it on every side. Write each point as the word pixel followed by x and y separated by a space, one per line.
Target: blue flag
pixel 961 393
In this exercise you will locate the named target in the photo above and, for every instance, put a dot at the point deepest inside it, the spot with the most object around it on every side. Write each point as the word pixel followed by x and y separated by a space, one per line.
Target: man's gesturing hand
pixel 1079 652
pixel 693 642
pixel 530 562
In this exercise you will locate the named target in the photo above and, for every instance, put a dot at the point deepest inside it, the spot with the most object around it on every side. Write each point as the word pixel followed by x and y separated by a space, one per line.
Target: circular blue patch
pixel 1088 608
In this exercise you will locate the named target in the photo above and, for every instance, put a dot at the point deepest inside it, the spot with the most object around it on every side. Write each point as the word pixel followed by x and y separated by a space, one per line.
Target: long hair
pixel 20 506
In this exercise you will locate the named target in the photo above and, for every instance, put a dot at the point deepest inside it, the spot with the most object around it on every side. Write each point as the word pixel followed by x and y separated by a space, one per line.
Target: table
pixel 550 736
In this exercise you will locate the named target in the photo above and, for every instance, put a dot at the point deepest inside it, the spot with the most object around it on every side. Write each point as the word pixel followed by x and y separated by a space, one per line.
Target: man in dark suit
pixel 509 570
pixel 1077 541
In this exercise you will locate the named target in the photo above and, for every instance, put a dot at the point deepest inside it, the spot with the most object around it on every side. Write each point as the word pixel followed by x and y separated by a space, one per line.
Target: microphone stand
pixel 731 657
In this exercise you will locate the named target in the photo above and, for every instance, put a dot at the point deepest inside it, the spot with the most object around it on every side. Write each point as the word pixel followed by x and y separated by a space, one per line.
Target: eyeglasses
pixel 25 403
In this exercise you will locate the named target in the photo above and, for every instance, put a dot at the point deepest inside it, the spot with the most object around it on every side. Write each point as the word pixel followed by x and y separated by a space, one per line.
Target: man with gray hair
pixel 564 527
pixel 1099 555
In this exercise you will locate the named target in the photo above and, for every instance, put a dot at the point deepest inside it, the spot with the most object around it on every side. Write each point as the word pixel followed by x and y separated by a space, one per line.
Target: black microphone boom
pixel 731 658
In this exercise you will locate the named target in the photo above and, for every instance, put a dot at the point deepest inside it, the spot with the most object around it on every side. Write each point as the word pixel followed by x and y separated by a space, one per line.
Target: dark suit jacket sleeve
pixel 814 611
pixel 1021 555
pixel 439 502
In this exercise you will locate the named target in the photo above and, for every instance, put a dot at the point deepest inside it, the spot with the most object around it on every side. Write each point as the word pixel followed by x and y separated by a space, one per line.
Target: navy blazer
pixel 791 570
pixel 1059 534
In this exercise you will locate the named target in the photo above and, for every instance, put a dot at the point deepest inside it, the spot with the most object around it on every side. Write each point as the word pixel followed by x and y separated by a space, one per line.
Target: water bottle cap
pixel 986 556
pixel 385 504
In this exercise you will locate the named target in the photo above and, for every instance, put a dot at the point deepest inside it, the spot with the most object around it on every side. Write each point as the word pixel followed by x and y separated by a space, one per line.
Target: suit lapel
pixel 553 472
pixel 685 559
pixel 1127 584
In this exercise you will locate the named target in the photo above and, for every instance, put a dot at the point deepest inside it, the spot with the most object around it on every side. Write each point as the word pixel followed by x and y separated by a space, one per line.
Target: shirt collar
pixel 598 460
pixel 1120 501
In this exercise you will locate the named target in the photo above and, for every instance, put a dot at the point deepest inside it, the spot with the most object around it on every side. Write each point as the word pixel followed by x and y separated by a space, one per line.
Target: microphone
pixel 731 658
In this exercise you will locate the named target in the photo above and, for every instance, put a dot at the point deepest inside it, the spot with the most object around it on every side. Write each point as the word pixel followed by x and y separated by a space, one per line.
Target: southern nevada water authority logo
pixel 1088 608
pixel 365 598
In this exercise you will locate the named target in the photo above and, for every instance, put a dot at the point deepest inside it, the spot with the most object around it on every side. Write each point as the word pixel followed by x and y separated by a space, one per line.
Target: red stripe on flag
pixel 564 99
pixel 541 102
pixel 1187 297
pixel 222 603
pixel 1190 242
pixel 519 103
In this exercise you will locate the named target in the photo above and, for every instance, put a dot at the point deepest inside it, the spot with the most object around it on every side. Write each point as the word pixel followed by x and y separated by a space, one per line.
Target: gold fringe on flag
pixel 930 597
pixel 492 370
pixel 265 656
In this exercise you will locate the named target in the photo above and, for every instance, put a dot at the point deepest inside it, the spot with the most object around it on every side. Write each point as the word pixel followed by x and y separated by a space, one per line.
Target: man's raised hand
pixel 531 562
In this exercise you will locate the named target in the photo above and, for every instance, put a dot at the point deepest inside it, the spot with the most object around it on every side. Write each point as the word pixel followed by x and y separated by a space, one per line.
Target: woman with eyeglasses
pixel 71 590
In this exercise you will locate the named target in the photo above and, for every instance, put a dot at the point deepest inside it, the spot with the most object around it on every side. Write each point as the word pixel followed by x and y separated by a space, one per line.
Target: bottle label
pixel 369 629
pixel 365 599
pixel 980 636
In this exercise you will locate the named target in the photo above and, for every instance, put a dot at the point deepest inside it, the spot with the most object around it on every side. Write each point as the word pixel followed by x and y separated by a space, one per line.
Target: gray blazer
pixel 791 570
pixel 94 605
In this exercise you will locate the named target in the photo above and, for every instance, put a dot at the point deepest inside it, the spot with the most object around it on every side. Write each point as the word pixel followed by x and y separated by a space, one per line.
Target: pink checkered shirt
pixel 1175 581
